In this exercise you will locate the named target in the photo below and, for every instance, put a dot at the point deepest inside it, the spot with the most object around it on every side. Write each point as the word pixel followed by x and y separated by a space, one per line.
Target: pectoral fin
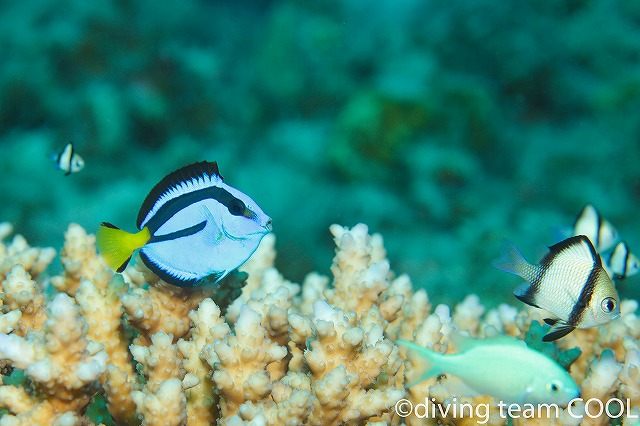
pixel 525 294
pixel 214 232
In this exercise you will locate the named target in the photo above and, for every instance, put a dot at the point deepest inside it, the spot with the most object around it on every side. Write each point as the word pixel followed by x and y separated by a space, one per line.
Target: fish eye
pixel 554 387
pixel 608 304
pixel 236 207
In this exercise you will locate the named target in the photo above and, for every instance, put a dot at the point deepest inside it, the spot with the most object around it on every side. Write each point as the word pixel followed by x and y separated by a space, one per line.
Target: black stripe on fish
pixel 173 180
pixel 625 264
pixel 546 264
pixel 122 267
pixel 526 292
pixel 600 228
pixel 620 275
pixel 587 290
pixel 59 158
pixel 70 159
pixel 166 277
pixel 178 234
pixel 529 297
pixel 627 253
pixel 173 206
pixel 557 248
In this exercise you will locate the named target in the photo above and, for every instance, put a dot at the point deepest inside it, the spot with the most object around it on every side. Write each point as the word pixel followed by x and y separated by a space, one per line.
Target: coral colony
pixel 92 347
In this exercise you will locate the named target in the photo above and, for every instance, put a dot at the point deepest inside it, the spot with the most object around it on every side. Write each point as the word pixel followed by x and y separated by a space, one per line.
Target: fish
pixel 600 231
pixel 68 160
pixel 192 226
pixel 622 263
pixel 501 367
pixel 569 282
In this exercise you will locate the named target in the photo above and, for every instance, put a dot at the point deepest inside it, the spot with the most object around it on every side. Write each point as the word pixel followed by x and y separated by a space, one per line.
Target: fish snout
pixel 268 225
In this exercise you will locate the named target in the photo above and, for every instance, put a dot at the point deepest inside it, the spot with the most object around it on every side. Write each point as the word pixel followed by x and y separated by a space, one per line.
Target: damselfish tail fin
pixel 427 365
pixel 512 261
pixel 116 246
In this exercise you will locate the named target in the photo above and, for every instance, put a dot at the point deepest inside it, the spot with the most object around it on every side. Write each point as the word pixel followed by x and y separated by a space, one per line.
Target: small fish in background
pixel 501 367
pixel 599 230
pixel 68 160
pixel 622 263
pixel 192 225
pixel 569 282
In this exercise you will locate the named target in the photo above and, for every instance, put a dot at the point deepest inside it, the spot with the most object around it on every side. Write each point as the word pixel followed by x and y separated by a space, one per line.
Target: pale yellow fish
pixel 501 367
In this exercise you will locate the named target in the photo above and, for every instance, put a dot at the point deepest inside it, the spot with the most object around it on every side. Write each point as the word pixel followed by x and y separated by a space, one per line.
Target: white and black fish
pixel 68 160
pixel 569 282
pixel 599 230
pixel 622 263
pixel 192 225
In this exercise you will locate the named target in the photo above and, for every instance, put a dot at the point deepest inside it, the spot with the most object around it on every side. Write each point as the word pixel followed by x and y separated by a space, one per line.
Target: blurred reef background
pixel 443 125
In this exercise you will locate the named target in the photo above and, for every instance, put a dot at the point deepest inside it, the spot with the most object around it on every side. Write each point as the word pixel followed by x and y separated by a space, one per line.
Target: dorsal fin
pixel 174 179
pixel 578 247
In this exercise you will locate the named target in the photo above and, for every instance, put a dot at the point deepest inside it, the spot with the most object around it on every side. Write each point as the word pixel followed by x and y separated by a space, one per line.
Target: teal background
pixel 442 125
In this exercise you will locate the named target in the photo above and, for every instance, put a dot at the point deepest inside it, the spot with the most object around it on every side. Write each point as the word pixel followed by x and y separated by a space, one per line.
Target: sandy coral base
pixel 320 353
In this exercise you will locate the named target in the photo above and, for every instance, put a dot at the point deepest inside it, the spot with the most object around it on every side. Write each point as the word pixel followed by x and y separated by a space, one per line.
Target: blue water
pixel 444 126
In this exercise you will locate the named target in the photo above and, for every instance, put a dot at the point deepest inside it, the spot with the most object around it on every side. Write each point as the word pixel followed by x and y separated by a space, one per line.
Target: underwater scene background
pixel 443 125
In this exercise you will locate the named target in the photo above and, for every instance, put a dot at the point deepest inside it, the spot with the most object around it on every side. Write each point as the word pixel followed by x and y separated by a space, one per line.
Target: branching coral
pixel 18 252
pixel 103 311
pixel 318 353
pixel 243 362
pixel 207 327
pixel 161 401
pixel 63 366
pixel 23 300
pixel 80 260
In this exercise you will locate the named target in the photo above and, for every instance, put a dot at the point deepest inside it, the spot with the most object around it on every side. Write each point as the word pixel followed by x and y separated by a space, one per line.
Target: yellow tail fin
pixel 116 246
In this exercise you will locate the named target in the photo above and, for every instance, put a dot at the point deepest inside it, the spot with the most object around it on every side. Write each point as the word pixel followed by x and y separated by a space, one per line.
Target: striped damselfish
pixel 569 282
pixel 68 160
pixel 599 230
pixel 622 263
pixel 192 225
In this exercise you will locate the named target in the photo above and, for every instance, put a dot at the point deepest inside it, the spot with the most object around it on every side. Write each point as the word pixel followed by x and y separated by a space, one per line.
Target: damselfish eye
pixel 554 387
pixel 237 207
pixel 608 304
